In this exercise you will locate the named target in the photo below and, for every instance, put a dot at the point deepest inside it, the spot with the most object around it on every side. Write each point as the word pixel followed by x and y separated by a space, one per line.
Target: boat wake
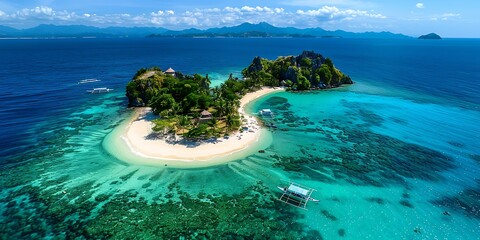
pixel 89 80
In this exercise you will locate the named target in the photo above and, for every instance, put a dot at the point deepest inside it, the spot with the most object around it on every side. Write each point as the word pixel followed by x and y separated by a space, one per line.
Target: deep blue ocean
pixel 415 105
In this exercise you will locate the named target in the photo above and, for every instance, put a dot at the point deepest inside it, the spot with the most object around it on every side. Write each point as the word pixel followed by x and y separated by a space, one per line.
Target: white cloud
pixel 335 13
pixel 420 5
pixel 162 13
pixel 326 16
pixel 37 11
pixel 451 15
pixel 445 16
pixel 320 3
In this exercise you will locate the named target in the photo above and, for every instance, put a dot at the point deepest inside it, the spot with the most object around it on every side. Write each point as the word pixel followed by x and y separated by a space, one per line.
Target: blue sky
pixel 447 18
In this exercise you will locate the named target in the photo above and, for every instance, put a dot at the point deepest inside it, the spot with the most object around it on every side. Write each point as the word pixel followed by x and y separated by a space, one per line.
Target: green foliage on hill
pixel 180 100
pixel 303 72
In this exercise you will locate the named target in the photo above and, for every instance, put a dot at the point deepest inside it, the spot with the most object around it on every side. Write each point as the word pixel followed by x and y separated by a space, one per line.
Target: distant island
pixel 244 30
pixel 430 36
pixel 188 109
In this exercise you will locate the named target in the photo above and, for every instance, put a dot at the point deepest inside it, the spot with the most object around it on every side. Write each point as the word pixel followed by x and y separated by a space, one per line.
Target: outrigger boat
pixel 100 90
pixel 266 112
pixel 297 195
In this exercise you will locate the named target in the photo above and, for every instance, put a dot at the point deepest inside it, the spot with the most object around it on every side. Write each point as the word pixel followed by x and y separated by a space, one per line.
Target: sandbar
pixel 133 142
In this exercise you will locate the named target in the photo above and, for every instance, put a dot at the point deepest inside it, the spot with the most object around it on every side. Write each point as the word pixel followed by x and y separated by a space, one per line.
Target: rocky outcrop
pixel 256 65
pixel 316 58
pixel 305 71
pixel 430 36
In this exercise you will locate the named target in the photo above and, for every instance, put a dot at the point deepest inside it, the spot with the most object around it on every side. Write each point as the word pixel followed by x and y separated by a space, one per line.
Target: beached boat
pixel 297 195
pixel 90 80
pixel 100 90
pixel 266 112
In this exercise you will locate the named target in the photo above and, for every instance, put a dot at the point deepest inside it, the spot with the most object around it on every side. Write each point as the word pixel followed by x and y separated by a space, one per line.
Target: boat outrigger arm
pixel 297 195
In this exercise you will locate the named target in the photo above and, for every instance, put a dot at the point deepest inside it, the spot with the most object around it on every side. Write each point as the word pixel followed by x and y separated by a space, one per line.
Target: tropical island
pixel 193 121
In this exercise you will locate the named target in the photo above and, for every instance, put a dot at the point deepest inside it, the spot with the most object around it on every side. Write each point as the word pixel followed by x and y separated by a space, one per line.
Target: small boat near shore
pixel 297 195
pixel 90 80
pixel 100 90
pixel 266 112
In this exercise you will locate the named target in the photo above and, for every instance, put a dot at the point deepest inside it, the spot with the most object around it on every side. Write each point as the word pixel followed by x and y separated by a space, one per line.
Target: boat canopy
pixel 298 190
pixel 266 112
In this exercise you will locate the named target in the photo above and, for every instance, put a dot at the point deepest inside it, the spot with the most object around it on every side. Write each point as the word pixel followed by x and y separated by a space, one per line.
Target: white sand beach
pixel 159 152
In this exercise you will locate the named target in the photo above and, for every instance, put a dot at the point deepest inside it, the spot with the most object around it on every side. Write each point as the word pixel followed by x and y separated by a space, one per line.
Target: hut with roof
pixel 205 115
pixel 170 72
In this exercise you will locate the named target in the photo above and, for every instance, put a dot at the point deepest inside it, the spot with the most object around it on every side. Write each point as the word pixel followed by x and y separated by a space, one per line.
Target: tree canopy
pixel 305 71
pixel 179 100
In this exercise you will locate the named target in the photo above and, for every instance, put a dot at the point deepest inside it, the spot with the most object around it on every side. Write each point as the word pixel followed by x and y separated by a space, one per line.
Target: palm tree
pixel 213 124
pixel 176 108
pixel 217 93
pixel 221 104
pixel 232 121
pixel 182 123
pixel 205 82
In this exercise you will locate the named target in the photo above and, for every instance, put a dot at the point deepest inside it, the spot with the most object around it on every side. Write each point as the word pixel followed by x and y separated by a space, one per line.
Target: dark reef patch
pixel 370 117
pixel 128 176
pixel 406 203
pixel 274 101
pixel 456 144
pixel 254 213
pixel 378 200
pixel 358 155
pixel 466 202
pixel 397 120
pixel 475 157
pixel 328 215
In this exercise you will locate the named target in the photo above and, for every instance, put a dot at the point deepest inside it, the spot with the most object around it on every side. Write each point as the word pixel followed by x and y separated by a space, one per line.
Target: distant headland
pixel 430 36
pixel 180 117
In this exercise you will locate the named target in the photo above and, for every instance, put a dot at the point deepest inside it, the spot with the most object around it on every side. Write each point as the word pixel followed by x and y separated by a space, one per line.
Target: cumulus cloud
pixel 335 13
pixel 450 15
pixel 162 13
pixel 319 3
pixel 199 18
pixel 420 5
pixel 445 16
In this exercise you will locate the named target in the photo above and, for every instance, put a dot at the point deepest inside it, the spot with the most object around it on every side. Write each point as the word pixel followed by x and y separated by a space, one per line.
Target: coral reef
pixel 466 201
pixel 355 154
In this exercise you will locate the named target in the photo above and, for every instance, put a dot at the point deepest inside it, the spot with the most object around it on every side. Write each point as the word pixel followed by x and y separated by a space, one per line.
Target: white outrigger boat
pixel 297 195
pixel 100 90
pixel 90 80
pixel 266 112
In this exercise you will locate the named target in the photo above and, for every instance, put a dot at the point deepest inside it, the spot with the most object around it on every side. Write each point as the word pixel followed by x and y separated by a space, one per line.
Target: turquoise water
pixel 387 162
pixel 378 196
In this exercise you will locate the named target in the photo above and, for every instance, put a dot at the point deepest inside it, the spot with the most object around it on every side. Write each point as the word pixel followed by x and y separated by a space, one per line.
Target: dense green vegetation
pixel 181 99
pixel 306 71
